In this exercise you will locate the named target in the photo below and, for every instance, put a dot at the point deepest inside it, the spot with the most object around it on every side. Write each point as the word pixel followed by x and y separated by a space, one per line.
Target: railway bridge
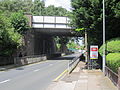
pixel 40 38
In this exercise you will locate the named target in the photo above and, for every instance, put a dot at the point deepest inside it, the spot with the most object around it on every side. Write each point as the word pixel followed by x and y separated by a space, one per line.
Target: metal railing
pixel 72 64
pixel 112 75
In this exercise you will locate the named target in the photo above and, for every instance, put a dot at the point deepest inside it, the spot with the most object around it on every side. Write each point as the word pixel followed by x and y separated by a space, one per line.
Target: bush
pixel 113 61
pixel 9 40
pixel 112 46
pixel 19 22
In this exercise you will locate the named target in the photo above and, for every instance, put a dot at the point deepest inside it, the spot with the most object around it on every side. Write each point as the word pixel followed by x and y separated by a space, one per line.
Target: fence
pixel 119 78
pixel 29 59
pixel 72 64
pixel 6 60
pixel 112 75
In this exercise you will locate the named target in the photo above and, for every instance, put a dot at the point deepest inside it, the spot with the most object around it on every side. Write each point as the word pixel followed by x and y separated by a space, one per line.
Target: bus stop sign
pixel 93 52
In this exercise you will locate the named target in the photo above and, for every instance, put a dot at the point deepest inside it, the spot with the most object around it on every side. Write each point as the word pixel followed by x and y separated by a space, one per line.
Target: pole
pixel 103 36
pixel 86 44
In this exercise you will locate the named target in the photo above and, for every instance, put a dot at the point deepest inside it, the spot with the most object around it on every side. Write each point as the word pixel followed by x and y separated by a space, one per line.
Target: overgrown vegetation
pixel 87 14
pixel 13 23
pixel 112 46
pixel 19 22
pixel 9 39
pixel 112 53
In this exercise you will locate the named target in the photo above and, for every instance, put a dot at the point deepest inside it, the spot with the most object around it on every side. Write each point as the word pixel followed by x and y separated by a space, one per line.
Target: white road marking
pixel 5 81
pixel 36 70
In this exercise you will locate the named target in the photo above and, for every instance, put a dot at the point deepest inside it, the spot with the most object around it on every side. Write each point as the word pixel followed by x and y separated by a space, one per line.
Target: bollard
pixel 119 78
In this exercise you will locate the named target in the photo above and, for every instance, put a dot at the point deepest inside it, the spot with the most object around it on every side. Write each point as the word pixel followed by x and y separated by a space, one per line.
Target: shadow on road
pixel 62 58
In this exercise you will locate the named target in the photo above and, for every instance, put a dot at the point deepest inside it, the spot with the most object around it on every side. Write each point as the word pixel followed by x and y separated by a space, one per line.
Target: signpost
pixel 93 55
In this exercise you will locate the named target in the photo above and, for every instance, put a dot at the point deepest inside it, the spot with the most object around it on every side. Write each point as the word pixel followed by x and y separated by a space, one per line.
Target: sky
pixel 57 3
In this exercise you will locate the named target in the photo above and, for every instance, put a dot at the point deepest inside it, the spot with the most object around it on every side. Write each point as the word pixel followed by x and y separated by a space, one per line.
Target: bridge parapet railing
pixel 50 22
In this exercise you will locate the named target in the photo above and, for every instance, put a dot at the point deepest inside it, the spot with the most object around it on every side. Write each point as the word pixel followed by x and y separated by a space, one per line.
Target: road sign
pixel 93 52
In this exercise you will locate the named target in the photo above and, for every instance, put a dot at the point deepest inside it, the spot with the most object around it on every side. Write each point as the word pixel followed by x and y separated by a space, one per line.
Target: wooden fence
pixel 114 77
pixel 119 78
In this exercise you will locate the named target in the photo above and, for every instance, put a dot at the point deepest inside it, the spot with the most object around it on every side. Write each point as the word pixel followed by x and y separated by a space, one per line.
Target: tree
pixel 19 22
pixel 55 11
pixel 63 41
pixel 9 40
pixel 38 7
pixel 87 14
pixel 11 5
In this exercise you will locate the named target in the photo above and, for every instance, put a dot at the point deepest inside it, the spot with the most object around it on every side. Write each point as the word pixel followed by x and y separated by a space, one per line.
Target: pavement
pixel 83 79
pixel 6 67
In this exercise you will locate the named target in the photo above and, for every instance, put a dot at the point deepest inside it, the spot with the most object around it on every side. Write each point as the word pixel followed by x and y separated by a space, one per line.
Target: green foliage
pixel 34 7
pixel 113 53
pixel 19 22
pixel 88 14
pixel 12 28
pixel 101 50
pixel 38 7
pixel 113 61
pixel 9 40
pixel 112 46
pixel 58 46
pixel 72 45
pixel 55 11
pixel 82 47
pixel 79 29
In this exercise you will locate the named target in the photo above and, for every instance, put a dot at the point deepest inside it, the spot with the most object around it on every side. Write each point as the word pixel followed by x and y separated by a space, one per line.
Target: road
pixel 33 77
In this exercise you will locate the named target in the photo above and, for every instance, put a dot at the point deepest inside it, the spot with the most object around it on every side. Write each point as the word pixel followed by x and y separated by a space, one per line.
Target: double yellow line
pixel 56 79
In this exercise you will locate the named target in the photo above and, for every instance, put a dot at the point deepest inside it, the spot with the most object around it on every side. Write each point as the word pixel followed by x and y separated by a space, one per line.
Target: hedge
pixel 113 61
pixel 112 46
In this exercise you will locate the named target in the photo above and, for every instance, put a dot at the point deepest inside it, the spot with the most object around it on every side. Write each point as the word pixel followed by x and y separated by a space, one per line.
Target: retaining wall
pixel 28 60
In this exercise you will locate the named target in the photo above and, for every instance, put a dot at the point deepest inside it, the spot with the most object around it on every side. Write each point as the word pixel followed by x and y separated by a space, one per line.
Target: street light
pixel 103 37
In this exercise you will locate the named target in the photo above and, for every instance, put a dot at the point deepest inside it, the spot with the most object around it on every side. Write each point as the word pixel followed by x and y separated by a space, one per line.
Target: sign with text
pixel 93 52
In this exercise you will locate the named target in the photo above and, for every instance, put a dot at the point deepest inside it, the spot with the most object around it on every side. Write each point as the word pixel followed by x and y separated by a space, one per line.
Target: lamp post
pixel 103 37
pixel 86 47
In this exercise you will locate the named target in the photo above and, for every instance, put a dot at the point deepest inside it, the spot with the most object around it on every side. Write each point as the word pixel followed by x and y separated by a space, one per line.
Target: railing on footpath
pixel 72 64
pixel 112 75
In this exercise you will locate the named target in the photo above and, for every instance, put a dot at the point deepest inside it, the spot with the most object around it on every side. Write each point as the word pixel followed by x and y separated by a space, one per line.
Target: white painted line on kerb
pixel 36 70
pixel 5 81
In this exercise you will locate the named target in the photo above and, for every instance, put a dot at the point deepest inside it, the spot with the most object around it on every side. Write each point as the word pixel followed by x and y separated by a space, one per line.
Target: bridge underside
pixel 55 32
pixel 41 41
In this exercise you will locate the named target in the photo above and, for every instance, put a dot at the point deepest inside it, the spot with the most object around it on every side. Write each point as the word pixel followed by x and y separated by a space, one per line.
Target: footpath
pixel 83 79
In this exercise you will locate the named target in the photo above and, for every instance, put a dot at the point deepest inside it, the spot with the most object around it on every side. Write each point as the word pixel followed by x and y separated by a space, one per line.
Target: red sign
pixel 94 49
